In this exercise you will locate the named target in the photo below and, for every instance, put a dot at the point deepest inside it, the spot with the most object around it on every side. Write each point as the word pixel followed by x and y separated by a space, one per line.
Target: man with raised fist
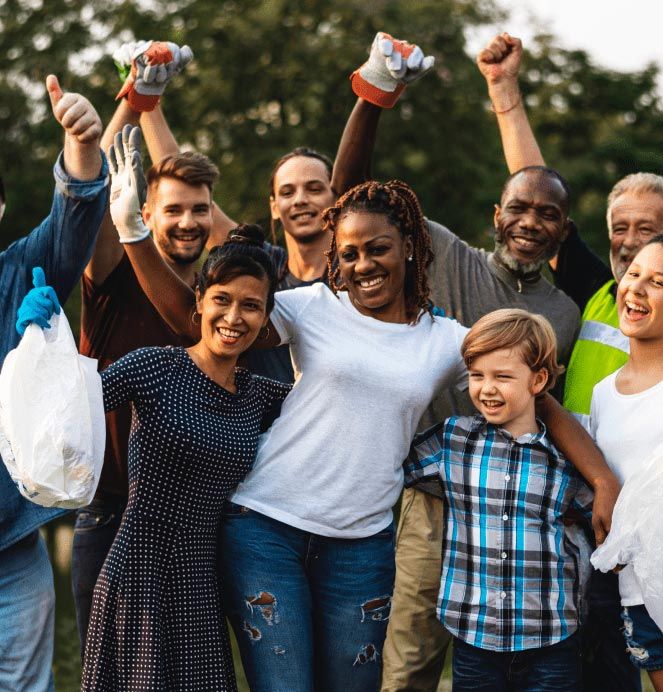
pixel 62 244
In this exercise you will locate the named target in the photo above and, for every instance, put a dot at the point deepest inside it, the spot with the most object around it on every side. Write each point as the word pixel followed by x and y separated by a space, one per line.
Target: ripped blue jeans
pixel 309 612
pixel 644 640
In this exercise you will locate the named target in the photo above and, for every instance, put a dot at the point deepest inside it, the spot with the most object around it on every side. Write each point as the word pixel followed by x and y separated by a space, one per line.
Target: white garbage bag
pixel 52 425
pixel 636 536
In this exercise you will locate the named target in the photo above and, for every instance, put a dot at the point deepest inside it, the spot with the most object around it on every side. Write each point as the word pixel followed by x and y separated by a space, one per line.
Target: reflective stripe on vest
pixel 601 349
pixel 604 334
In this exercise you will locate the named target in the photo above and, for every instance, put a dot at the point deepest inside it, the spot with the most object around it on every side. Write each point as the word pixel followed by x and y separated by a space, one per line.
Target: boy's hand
pixel 38 305
pixel 606 491
pixel 74 112
pixel 391 65
pixel 127 185
pixel 147 67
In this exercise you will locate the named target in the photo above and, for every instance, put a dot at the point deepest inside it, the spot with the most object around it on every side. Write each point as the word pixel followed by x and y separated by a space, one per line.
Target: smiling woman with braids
pixel 307 543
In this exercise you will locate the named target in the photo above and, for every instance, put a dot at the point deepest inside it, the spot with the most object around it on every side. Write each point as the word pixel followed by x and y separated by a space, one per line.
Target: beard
pixel 534 267
pixel 180 256
pixel 619 264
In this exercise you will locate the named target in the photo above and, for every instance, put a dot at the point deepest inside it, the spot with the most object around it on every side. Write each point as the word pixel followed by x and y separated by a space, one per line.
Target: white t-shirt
pixel 332 462
pixel 626 427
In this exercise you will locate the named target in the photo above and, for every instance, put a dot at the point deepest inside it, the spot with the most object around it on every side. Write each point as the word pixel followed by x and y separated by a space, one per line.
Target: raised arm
pixel 379 82
pixel 576 445
pixel 499 63
pixel 146 68
pixel 173 299
pixel 79 119
pixel 161 143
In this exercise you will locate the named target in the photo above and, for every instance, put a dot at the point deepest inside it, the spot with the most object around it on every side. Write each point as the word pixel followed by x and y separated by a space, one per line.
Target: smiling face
pixel 531 221
pixel 640 295
pixel 302 191
pixel 635 217
pixel 372 254
pixel 502 388
pixel 232 314
pixel 180 218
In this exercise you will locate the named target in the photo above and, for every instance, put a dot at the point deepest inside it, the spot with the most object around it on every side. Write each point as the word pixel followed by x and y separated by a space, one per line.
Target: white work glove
pixel 146 68
pixel 128 186
pixel 391 65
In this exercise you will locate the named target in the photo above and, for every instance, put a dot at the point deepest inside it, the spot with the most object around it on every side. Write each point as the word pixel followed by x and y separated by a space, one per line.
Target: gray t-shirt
pixel 468 283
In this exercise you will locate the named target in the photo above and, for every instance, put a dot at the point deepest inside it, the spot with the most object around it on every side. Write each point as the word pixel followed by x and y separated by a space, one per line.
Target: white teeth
pixel 524 242
pixel 635 307
pixel 367 283
pixel 491 404
pixel 304 215
pixel 230 333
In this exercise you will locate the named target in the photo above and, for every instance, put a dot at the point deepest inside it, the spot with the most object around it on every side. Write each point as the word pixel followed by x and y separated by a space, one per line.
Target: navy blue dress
pixel 157 621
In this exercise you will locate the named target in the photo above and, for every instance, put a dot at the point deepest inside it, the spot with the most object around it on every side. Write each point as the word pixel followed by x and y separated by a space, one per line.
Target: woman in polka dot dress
pixel 157 621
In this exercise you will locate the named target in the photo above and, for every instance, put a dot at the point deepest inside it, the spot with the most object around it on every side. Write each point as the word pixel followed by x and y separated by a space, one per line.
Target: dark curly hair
pixel 398 202
pixel 241 255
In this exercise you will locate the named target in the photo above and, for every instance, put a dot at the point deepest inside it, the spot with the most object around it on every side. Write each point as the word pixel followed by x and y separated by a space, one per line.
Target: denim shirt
pixel 62 244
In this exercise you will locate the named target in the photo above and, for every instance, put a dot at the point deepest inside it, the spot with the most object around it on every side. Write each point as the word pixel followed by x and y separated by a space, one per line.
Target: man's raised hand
pixel 74 112
pixel 128 185
pixel 146 68
pixel 500 60
pixel 392 64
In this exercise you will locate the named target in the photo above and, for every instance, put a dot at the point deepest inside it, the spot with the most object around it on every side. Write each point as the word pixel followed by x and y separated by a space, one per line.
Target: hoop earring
pixel 264 333
pixel 193 317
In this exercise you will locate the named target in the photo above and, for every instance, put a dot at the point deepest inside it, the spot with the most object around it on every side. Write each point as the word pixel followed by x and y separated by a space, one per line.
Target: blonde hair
pixel 531 334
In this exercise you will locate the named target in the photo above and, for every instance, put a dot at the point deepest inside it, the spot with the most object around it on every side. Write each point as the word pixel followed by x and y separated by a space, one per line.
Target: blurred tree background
pixel 269 76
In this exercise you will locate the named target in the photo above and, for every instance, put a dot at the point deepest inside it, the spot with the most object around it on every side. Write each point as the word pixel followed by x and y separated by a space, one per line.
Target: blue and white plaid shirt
pixel 509 573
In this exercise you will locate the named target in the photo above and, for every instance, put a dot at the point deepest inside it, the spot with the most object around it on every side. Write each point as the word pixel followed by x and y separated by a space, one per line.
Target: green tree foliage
pixel 594 125
pixel 269 76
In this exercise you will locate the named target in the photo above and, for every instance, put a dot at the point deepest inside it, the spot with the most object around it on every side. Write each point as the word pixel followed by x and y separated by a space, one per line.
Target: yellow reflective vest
pixel 601 349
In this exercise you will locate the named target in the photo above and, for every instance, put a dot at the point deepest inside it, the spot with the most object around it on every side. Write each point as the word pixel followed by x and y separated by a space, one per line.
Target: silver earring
pixel 410 258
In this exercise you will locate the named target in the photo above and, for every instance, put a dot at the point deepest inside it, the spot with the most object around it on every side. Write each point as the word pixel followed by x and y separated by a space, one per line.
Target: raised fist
pixel 147 67
pixel 500 60
pixel 391 65
pixel 74 112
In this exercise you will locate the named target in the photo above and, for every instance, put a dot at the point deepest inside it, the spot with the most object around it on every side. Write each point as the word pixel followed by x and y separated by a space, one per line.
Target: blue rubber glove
pixel 38 305
pixel 438 312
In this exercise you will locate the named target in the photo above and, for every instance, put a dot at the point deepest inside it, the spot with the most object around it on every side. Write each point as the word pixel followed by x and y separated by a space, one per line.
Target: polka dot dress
pixel 157 621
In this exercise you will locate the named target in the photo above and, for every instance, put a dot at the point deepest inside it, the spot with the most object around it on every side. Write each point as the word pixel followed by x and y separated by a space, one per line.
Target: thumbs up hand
pixel 74 112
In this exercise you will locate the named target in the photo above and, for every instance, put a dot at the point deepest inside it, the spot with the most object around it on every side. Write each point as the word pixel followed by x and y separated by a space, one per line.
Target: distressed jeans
pixel 309 612
pixel 27 616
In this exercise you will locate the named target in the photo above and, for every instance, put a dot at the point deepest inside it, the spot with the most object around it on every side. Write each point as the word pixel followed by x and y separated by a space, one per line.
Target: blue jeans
pixel 605 660
pixel 27 615
pixel 556 668
pixel 309 612
pixel 644 640
pixel 94 533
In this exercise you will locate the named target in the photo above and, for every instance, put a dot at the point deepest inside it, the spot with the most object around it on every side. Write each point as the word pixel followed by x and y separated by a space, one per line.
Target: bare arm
pixel 355 151
pixel 173 299
pixel 576 445
pixel 161 143
pixel 391 65
pixel 499 63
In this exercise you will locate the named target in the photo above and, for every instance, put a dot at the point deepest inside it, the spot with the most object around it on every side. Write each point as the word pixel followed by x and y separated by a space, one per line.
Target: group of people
pixel 256 434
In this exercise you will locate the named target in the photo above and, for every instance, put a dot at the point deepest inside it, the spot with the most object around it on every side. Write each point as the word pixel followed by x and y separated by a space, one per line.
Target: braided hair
pixel 398 202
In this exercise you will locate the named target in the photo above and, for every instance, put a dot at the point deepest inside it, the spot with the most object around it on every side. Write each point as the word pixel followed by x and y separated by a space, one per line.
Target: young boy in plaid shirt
pixel 509 585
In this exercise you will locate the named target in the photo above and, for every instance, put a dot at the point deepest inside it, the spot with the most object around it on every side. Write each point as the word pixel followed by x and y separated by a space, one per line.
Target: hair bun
pixel 248 234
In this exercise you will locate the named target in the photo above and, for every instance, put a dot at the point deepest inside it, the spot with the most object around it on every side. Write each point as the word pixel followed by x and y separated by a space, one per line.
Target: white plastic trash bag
pixel 52 425
pixel 636 536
